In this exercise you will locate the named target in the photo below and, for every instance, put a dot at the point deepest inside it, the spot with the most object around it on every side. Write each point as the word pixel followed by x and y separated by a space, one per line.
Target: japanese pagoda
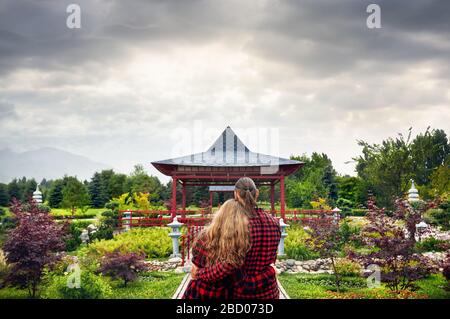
pixel 222 165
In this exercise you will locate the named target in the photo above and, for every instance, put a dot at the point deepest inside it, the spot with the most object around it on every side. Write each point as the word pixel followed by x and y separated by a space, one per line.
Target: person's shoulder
pixel 267 217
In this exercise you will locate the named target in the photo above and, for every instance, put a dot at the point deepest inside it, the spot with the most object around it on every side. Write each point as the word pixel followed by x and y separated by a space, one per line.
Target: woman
pixel 255 278
pixel 225 240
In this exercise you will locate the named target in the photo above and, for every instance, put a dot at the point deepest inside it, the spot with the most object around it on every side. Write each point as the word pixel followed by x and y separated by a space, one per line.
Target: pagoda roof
pixel 227 151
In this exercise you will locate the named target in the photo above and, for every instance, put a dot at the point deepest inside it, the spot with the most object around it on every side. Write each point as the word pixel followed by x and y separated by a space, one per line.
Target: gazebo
pixel 227 160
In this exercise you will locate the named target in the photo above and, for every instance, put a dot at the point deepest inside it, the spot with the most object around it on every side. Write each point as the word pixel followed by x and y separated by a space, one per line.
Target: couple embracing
pixel 232 257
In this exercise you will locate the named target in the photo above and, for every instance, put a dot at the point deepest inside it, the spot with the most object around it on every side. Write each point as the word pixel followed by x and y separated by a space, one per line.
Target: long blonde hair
pixel 227 238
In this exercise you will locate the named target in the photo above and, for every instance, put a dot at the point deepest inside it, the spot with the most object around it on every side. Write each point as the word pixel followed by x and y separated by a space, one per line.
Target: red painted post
pixel 282 203
pixel 183 200
pixel 272 198
pixel 174 196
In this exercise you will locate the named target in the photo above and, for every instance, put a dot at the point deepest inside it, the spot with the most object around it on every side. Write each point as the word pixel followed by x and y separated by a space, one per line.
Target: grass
pixel 154 285
pixel 13 293
pixel 90 212
pixel 308 286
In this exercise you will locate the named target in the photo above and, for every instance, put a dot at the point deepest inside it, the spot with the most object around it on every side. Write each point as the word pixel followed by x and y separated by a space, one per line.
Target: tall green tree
pixel 55 195
pixel 316 179
pixel 98 191
pixel 14 190
pixel 75 194
pixel 140 181
pixel 386 168
pixel 4 196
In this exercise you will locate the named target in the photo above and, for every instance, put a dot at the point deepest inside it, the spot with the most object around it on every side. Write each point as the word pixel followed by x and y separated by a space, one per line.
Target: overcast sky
pixel 139 75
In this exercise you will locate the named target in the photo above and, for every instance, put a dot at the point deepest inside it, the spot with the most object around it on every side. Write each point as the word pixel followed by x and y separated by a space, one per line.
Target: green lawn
pixel 306 286
pixel 155 285
pixel 152 285
pixel 89 213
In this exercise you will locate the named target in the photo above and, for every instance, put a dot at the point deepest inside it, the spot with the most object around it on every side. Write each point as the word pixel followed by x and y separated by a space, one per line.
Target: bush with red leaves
pixel 33 245
pixel 123 266
pixel 393 245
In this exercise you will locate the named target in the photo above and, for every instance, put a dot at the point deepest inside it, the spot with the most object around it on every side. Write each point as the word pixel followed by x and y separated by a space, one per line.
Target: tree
pixel 317 178
pixel 139 181
pixel 350 192
pixel 328 240
pixel 98 191
pixel 14 190
pixel 31 246
pixel 429 151
pixel 75 195
pixel 55 196
pixel 123 266
pixel 4 196
pixel 386 169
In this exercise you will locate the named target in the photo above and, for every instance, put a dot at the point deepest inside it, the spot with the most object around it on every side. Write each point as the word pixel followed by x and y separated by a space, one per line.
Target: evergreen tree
pixel 75 194
pixel 55 196
pixel 14 190
pixel 98 191
pixel 4 196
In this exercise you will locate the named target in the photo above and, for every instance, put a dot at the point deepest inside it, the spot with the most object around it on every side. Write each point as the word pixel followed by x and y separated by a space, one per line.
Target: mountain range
pixel 47 162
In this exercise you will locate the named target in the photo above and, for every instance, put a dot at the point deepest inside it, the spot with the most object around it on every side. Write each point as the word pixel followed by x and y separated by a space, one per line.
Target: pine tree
pixel 55 194
pixel 4 196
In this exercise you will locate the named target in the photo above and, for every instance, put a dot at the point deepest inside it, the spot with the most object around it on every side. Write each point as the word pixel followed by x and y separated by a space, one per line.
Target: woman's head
pixel 246 193
pixel 227 238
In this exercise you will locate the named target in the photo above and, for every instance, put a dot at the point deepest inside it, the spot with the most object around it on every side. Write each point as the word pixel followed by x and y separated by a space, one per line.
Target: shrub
pixel 2 212
pixel 153 242
pixel 440 216
pixel 75 228
pixel 31 246
pixel 432 244
pixel 92 286
pixel 108 223
pixel 296 246
pixel 394 251
pixel 123 266
pixel 346 267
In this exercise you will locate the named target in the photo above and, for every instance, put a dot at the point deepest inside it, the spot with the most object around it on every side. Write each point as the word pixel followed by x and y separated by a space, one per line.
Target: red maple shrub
pixel 327 239
pixel 392 242
pixel 123 266
pixel 35 243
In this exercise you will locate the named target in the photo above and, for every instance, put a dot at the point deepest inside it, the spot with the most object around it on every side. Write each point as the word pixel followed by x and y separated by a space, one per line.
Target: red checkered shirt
pixel 201 289
pixel 256 279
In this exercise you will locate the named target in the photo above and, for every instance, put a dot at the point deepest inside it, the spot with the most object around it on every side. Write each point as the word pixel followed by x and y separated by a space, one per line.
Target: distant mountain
pixel 49 163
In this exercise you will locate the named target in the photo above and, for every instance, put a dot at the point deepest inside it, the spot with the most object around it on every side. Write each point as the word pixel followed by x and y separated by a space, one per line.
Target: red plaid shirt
pixel 256 279
pixel 201 289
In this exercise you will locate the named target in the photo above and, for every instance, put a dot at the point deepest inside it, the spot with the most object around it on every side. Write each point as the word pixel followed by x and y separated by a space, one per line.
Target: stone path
pixel 185 282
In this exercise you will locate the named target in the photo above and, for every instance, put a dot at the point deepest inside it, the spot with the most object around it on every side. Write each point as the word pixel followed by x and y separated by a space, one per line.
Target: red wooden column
pixel 174 196
pixel 282 203
pixel 272 198
pixel 183 200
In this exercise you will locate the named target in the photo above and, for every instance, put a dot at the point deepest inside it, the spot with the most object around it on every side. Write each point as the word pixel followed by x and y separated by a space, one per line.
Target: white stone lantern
pixel 336 214
pixel 420 227
pixel 284 234
pixel 175 235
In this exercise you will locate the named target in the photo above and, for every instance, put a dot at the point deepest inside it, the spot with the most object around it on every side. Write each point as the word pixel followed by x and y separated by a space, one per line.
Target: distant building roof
pixel 221 188
pixel 228 150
